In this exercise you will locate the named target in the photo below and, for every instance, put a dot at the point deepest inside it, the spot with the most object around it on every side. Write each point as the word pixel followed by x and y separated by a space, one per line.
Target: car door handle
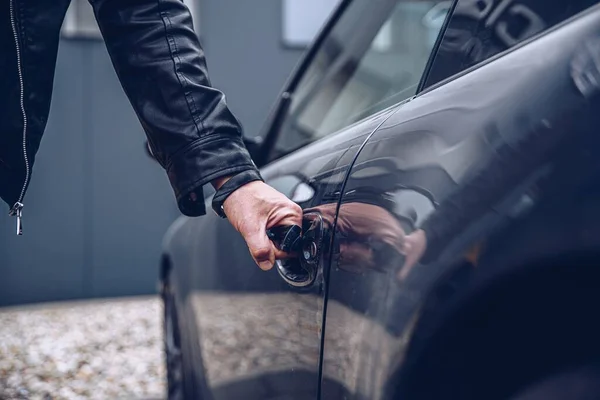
pixel 287 238
pixel 306 244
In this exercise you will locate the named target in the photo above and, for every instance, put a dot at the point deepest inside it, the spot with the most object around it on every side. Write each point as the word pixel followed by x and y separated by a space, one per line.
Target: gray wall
pixel 97 207
pixel 246 57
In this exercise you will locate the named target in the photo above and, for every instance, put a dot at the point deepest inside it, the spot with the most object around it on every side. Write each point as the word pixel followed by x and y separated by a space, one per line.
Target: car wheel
pixel 172 347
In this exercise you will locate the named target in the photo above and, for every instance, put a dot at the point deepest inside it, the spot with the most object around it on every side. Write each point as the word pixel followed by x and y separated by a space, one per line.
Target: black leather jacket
pixel 161 66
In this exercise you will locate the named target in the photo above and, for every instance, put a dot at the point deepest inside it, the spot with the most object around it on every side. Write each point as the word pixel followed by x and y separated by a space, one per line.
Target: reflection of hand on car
pixel 414 247
pixel 364 231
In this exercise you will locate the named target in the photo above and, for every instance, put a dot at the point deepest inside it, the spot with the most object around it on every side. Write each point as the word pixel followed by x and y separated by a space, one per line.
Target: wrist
pixel 230 185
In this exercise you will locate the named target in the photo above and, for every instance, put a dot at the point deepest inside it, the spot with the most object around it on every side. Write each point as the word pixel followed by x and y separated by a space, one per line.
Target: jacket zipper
pixel 17 208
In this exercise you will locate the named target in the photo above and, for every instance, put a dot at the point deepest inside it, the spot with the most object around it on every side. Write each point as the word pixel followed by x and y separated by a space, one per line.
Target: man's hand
pixel 415 245
pixel 256 207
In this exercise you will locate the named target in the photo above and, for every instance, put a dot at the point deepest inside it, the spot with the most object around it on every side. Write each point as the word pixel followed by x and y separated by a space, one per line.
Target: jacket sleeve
pixel 571 127
pixel 502 173
pixel 161 66
pixel 478 194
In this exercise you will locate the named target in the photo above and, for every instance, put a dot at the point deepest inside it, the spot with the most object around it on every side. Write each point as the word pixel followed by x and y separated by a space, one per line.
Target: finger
pixel 261 249
pixel 291 214
pixel 282 255
pixel 409 263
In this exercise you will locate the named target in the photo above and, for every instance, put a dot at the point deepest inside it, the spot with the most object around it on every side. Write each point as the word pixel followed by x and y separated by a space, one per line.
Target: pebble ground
pixel 109 349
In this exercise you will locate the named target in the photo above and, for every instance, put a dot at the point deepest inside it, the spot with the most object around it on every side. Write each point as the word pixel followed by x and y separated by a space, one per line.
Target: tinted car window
pixel 373 58
pixel 480 29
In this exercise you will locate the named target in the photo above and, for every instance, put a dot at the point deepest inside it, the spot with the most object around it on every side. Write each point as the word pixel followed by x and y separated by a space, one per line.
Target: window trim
pixel 271 127
pixel 436 47
pixel 518 46
pixel 274 131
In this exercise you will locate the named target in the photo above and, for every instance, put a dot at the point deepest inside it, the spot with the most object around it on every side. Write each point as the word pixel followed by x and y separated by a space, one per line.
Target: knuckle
pixel 290 208
pixel 295 209
pixel 261 253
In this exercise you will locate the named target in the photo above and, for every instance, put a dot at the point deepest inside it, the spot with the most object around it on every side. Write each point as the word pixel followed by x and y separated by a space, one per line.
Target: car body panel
pixel 246 333
pixel 251 331
pixel 358 332
pixel 428 149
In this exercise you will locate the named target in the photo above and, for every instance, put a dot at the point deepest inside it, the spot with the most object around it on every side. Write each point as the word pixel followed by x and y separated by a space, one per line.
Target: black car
pixel 446 155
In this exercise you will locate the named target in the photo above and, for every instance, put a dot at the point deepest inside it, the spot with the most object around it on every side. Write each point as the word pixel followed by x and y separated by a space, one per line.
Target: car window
pixel 374 57
pixel 480 29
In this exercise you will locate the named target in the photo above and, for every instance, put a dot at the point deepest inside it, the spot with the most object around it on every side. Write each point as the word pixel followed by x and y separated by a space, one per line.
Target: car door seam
pixel 328 265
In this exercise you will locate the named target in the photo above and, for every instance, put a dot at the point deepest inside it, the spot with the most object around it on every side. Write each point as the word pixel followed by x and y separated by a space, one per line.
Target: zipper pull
pixel 17 211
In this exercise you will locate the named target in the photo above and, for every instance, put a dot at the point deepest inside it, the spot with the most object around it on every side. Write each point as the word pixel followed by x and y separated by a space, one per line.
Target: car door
pixel 415 160
pixel 257 335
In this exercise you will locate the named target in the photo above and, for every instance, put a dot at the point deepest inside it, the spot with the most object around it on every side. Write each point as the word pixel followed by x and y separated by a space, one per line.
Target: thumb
pixel 412 251
pixel 261 249
pixel 409 263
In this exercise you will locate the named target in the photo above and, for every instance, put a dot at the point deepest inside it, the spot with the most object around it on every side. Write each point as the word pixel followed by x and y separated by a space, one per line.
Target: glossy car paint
pixel 250 323
pixel 430 147
pixel 246 334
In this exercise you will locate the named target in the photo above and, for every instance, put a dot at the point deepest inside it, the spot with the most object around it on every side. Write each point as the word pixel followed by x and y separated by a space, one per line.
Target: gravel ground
pixel 113 349
pixel 109 349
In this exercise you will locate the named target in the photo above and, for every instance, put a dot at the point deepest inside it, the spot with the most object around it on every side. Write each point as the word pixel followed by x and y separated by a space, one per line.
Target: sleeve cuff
pixel 202 162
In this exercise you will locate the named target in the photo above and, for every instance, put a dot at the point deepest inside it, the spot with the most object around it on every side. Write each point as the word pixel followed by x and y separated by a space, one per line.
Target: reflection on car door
pixel 388 73
pixel 257 335
pixel 421 155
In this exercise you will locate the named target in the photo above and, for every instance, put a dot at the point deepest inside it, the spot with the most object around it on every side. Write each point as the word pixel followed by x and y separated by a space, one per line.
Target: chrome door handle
pixel 287 238
pixel 307 244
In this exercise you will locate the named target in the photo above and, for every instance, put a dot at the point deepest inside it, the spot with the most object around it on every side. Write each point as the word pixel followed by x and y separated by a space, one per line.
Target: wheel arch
pixel 504 335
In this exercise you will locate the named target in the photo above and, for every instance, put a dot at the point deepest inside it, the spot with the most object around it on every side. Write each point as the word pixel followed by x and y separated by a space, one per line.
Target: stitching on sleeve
pixel 173 51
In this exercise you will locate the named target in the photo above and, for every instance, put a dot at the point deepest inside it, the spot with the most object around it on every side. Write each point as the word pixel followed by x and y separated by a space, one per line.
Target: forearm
pixel 161 66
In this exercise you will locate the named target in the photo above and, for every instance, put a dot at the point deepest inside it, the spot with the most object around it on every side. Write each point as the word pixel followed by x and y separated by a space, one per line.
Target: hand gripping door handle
pixel 306 245
pixel 287 238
